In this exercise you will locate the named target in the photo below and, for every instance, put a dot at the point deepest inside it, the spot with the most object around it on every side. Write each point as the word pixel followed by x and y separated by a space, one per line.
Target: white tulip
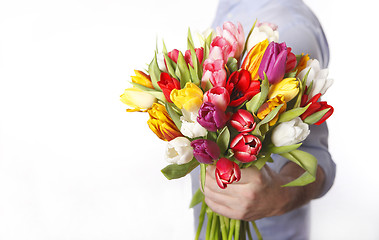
pixel 179 151
pixel 161 62
pixel 289 133
pixel 261 32
pixel 319 76
pixel 190 127
pixel 137 98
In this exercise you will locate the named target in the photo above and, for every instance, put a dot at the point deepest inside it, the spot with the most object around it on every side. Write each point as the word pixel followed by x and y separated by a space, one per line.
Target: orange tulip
pixel 270 105
pixel 161 123
pixel 254 58
pixel 302 63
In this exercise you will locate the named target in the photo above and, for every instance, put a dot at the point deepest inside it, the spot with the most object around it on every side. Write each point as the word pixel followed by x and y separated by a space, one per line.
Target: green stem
pixel 237 230
pixel 248 231
pixel 201 219
pixel 231 230
pixel 243 230
pixel 223 228
pixel 259 236
pixel 209 224
pixel 214 225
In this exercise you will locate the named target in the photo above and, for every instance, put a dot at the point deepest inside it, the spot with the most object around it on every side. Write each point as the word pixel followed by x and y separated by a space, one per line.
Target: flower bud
pixel 274 62
pixel 219 96
pixel 288 87
pixel 243 121
pixel 179 151
pixel 226 172
pixel 211 117
pixel 289 133
pixel 205 151
pixel 246 147
pixel 137 99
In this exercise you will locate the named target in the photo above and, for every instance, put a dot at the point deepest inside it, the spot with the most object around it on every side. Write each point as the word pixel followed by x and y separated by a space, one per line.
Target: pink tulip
pixel 234 35
pixel 246 147
pixel 226 172
pixel 214 72
pixel 243 121
pixel 219 96
pixel 223 49
pixel 173 55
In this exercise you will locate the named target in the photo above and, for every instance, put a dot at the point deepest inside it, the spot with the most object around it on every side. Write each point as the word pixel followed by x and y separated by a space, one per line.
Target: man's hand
pixel 259 193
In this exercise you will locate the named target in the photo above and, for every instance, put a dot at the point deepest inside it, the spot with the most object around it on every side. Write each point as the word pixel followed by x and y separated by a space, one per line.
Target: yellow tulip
pixel 270 105
pixel 189 98
pixel 254 58
pixel 142 79
pixel 288 87
pixel 137 99
pixel 161 123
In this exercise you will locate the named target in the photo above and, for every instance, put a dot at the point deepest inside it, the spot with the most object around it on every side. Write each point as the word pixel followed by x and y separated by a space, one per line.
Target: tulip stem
pixel 201 219
pixel 248 231
pixel 237 230
pixel 209 224
pixel 259 236
pixel 231 230
pixel 223 228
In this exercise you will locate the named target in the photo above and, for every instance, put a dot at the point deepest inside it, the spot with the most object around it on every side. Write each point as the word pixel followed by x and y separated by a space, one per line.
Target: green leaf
pixel 158 94
pixel 315 117
pixel 264 92
pixel 189 40
pixel 173 114
pixel 260 162
pixel 267 119
pixel 203 169
pixel 248 36
pixel 171 66
pixel 283 149
pixel 155 72
pixel 223 139
pixel 182 71
pixel 207 44
pixel 291 114
pixel 306 161
pixel 175 171
pixel 253 105
pixel 232 64
pixel 197 198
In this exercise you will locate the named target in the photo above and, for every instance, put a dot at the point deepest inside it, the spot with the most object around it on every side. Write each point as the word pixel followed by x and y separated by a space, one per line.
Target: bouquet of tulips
pixel 232 103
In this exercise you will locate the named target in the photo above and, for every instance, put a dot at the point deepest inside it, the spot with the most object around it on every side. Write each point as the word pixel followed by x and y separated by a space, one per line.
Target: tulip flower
pixel 137 99
pixel 274 62
pixel 199 54
pixel 173 55
pixel 213 71
pixel 241 88
pixel 226 172
pixel 291 60
pixel 270 105
pixel 235 37
pixel 316 107
pixel 211 117
pixel 243 121
pixel 167 84
pixel 221 49
pixel 189 98
pixel 289 133
pixel 288 87
pixel 219 96
pixel 142 79
pixel 179 151
pixel 161 123
pixel 316 75
pixel 261 32
pixel 246 147
pixel 205 151
pixel 190 127
pixel 302 63
pixel 253 59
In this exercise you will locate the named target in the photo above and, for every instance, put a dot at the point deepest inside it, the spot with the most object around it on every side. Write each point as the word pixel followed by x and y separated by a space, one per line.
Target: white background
pixel 75 165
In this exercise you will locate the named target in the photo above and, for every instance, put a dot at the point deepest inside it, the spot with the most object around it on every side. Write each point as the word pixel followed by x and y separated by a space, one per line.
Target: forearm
pixel 298 196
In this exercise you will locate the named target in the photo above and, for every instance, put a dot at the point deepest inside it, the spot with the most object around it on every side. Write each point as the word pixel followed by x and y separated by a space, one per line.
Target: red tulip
pixel 199 54
pixel 241 88
pixel 226 172
pixel 246 147
pixel 316 107
pixel 167 84
pixel 243 121
pixel 291 60
pixel 173 55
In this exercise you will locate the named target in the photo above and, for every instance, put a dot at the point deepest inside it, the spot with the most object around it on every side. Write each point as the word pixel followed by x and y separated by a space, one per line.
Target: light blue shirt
pixel 301 31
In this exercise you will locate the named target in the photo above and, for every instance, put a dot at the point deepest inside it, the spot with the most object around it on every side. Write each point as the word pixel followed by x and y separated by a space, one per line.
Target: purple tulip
pixel 211 117
pixel 274 62
pixel 205 151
